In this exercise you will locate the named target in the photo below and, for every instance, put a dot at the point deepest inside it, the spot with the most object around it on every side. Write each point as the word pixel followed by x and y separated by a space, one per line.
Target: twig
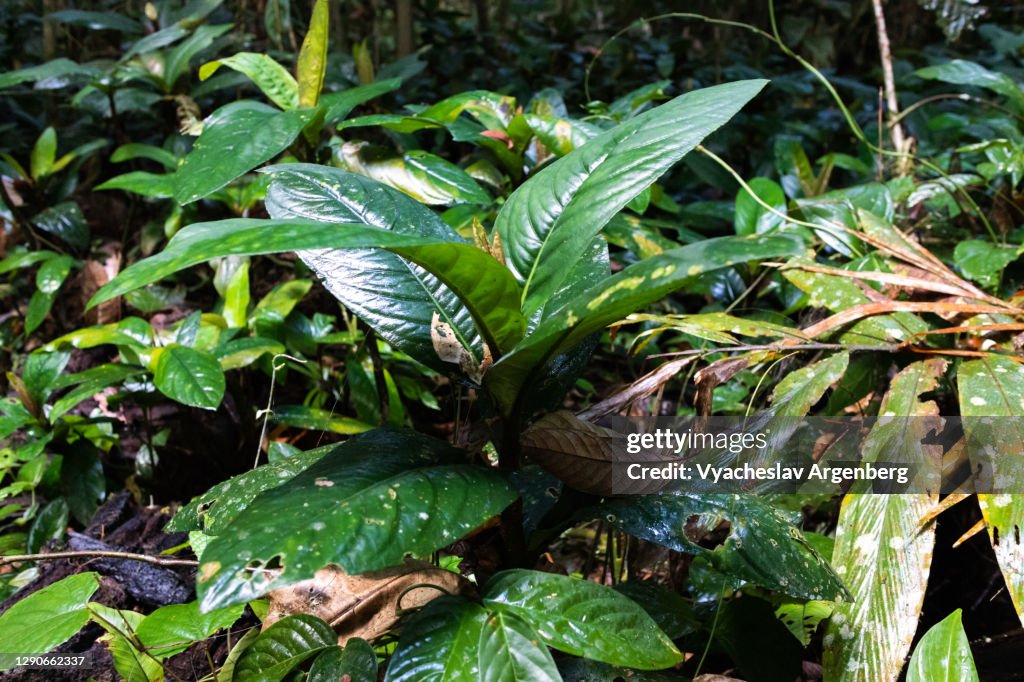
pixel 82 554
pixel 274 366
pixel 899 138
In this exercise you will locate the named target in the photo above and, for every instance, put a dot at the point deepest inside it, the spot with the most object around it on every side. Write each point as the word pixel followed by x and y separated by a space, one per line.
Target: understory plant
pixel 502 261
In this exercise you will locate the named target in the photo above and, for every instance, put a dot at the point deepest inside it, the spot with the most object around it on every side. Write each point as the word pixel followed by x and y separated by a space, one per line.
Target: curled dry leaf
pixel 585 455
pixel 450 349
pixel 365 605
pixel 641 389
pixel 96 273
pixel 715 374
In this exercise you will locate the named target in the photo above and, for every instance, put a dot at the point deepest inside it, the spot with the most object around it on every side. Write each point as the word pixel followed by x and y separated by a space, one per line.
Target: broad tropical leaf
pixel 943 654
pixel 364 506
pixel 994 387
pixel 485 286
pixel 582 618
pixel 402 312
pixel 284 646
pixel 455 640
pixel 763 547
pixel 549 222
pixel 188 376
pixel 270 77
pixel 171 629
pixel 236 138
pixel 881 552
pixel 48 617
pixel 615 297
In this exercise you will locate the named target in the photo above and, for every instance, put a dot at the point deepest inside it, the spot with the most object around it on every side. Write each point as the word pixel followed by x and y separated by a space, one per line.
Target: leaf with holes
pixel 763 547
pixel 213 510
pixel 363 506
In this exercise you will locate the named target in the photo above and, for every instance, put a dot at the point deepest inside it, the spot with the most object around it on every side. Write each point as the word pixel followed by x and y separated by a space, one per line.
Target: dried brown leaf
pixel 366 605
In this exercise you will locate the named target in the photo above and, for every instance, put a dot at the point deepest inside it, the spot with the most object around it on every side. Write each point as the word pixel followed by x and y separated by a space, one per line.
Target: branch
pixel 899 139
pixel 144 558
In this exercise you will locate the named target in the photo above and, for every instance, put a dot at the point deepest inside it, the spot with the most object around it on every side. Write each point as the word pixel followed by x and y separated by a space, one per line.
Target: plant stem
pixel 378 376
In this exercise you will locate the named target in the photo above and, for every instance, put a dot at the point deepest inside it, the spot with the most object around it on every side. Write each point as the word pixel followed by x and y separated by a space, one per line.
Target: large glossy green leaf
pixel 56 73
pixel 549 222
pixel 763 547
pixel 455 640
pixel 263 70
pixel 313 56
pixel 236 138
pixel 284 646
pixel 963 72
pixel 994 387
pixel 881 551
pixel 426 177
pixel 403 311
pixel 188 376
pixel 66 221
pixel 943 654
pixel 338 105
pixel 582 618
pixel 612 298
pixel 144 183
pixel 47 617
pixel 751 217
pixel 177 59
pixel 485 286
pixel 213 510
pixel 364 506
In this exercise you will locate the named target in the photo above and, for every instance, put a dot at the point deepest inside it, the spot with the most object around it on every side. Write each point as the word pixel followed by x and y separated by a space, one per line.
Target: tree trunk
pixel 404 28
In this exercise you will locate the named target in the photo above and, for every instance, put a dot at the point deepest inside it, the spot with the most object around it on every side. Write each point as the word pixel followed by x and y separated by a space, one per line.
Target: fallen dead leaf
pixel 365 605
